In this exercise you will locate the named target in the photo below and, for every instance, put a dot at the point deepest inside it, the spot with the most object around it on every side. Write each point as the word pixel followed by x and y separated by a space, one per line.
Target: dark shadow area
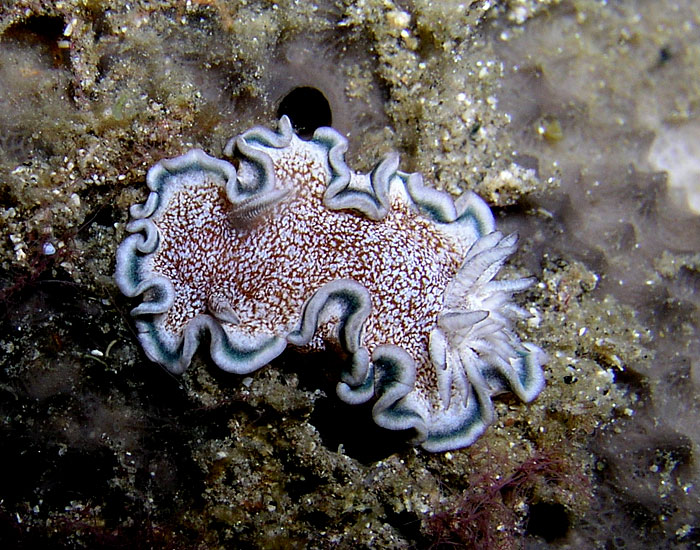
pixel 339 423
pixel 548 520
pixel 307 108
pixel 43 33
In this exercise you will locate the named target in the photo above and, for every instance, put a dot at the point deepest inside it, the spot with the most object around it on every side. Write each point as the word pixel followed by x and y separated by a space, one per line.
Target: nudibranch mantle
pixel 286 245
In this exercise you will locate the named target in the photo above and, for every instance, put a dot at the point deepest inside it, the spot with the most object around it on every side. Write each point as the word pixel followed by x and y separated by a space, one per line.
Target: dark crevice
pixel 43 33
pixel 307 108
pixel 548 520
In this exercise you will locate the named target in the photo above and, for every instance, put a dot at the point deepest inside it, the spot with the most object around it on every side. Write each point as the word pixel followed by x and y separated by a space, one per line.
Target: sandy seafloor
pixel 577 121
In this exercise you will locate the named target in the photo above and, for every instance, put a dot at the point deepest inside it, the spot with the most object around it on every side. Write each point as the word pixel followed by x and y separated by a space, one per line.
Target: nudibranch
pixel 285 245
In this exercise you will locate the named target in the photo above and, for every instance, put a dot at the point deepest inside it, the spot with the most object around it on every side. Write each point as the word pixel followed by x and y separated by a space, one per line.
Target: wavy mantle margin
pixel 472 351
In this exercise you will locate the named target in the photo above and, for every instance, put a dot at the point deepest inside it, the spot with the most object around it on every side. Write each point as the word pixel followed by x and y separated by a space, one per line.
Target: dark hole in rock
pixel 307 108
pixel 548 520
pixel 44 33
pixel 79 475
pixel 408 524
pixel 106 215
pixel 7 197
